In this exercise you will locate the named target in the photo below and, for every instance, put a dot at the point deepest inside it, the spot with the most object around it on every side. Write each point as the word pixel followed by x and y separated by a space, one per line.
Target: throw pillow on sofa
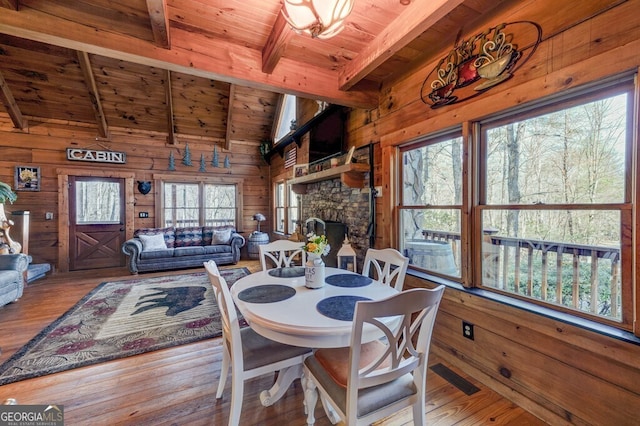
pixel 152 242
pixel 221 236
pixel 169 234
pixel 207 234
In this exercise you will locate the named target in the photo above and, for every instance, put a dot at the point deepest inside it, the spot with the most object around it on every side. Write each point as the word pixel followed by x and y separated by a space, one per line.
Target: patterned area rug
pixel 123 318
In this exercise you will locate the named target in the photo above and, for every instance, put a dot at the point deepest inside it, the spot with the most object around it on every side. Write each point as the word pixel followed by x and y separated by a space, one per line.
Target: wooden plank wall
pixel 562 373
pixel 44 145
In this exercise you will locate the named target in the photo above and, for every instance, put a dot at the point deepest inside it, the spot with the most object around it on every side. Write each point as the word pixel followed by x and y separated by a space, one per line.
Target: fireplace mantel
pixel 351 175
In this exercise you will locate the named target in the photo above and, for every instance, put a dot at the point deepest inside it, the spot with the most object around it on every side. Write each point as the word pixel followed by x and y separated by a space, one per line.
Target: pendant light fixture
pixel 319 18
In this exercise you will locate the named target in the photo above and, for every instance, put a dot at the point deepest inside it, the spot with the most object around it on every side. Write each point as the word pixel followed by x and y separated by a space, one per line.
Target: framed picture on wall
pixel 300 170
pixel 27 178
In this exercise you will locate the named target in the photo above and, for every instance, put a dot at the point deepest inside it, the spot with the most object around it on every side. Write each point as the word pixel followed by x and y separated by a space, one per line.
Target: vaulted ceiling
pixel 212 69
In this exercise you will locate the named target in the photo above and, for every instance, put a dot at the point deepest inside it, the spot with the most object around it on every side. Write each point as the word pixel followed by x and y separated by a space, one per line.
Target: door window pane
pixel 97 202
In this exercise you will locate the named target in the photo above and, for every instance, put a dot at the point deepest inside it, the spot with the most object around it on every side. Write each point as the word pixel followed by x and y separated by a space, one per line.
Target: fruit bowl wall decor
pixel 480 63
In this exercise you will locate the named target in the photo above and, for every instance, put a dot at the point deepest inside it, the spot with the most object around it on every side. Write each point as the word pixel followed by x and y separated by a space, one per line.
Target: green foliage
pixel 584 296
pixel 6 194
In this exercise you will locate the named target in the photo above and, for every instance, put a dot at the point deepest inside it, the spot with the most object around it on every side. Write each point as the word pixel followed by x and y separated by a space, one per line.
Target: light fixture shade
pixel 319 18
pixel 259 217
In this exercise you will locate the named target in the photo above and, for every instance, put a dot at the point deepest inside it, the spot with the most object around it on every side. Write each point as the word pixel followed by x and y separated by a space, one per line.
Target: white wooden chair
pixel 390 266
pixel 281 253
pixel 249 354
pixel 367 382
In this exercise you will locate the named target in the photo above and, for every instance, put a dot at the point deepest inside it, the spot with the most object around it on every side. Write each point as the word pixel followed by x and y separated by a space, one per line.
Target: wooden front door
pixel 96 222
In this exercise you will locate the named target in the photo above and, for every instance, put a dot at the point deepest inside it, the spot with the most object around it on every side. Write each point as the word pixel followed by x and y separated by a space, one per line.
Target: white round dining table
pixel 298 320
pixel 283 309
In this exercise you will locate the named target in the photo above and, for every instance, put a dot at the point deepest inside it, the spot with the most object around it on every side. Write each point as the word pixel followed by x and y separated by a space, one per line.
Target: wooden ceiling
pixel 211 69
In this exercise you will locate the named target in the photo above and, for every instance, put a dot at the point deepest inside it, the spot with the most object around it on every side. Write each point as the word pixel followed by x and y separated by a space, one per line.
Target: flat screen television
pixel 326 137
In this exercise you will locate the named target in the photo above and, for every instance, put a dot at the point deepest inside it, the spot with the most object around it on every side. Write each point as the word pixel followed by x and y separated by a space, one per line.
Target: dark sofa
pixel 183 247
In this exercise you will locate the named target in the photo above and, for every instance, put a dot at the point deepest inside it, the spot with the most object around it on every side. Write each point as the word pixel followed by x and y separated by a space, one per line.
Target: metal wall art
pixel 480 63
pixel 144 186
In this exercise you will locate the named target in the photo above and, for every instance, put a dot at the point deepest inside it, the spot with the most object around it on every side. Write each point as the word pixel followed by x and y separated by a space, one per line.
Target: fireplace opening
pixel 335 232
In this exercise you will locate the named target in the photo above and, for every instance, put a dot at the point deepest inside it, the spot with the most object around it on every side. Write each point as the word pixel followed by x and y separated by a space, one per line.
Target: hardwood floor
pixel 177 386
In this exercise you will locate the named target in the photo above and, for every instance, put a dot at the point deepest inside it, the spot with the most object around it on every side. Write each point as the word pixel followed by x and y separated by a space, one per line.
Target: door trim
pixel 63 206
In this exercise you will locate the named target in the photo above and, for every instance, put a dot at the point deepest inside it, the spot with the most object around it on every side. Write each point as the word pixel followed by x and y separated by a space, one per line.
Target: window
pixel 554 200
pixel 431 203
pixel 286 205
pixel 98 201
pixel 286 118
pixel 199 204
pixel 551 216
pixel 292 211
pixel 280 203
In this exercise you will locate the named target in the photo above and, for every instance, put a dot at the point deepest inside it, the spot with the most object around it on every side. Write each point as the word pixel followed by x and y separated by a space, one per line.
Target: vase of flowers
pixel 316 247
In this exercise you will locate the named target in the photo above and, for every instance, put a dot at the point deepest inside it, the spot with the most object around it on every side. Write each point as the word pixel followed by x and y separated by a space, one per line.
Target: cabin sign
pixel 78 154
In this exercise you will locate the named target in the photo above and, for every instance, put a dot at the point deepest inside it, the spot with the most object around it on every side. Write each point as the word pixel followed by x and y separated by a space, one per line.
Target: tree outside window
pixel 550 211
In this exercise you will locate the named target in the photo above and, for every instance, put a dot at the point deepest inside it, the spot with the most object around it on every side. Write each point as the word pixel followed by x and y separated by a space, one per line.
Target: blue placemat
pixel 348 280
pixel 268 293
pixel 296 271
pixel 339 307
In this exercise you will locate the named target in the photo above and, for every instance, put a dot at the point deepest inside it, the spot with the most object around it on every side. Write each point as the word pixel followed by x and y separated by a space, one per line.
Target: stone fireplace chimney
pixel 341 208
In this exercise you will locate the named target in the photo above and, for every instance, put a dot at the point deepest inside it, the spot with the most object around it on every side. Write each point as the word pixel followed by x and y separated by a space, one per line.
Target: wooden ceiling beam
pixel 190 53
pixel 227 138
pixel 92 88
pixel 416 19
pixel 9 102
pixel 273 50
pixel 171 125
pixel 159 22
pixel 10 4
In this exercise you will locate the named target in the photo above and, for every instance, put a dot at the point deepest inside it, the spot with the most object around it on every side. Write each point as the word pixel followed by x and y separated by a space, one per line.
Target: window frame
pixel 284 111
pixel 161 179
pixel 462 207
pixel 280 206
pixel 286 207
pixel 474 194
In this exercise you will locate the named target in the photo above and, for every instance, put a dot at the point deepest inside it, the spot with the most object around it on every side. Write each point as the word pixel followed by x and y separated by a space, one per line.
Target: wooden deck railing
pixel 583 277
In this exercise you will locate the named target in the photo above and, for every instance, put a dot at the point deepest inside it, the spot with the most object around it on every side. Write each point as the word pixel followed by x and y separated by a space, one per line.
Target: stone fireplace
pixel 336 203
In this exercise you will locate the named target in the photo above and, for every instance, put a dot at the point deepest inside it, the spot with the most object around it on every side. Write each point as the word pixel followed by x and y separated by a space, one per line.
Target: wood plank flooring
pixel 177 386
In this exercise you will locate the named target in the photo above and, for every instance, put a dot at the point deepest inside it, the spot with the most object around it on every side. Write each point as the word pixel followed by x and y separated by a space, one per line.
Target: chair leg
pixel 224 372
pixel 419 418
pixel 333 417
pixel 237 395
pixel 310 399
